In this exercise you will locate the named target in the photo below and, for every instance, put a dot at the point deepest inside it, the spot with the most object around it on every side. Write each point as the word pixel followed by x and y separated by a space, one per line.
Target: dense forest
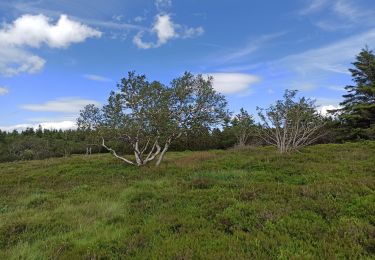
pixel 176 112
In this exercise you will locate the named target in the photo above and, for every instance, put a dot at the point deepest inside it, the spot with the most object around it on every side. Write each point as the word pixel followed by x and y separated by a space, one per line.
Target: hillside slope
pixel 252 203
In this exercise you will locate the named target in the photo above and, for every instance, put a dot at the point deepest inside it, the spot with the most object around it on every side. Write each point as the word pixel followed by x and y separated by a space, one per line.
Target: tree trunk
pixel 161 156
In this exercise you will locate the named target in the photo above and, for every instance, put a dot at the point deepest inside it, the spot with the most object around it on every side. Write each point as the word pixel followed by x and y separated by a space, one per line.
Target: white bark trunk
pixel 161 156
pixel 115 154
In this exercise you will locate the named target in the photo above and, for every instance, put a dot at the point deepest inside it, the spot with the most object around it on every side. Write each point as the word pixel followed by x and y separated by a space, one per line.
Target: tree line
pixel 31 144
pixel 146 119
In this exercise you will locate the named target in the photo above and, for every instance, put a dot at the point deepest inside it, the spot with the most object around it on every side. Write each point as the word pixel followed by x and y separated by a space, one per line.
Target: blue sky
pixel 58 55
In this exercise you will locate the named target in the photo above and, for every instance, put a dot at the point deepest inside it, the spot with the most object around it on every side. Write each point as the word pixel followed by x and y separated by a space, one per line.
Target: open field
pixel 252 203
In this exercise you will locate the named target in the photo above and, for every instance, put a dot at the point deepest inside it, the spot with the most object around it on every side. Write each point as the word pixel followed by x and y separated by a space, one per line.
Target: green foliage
pixel 249 203
pixel 291 123
pixel 41 144
pixel 243 127
pixel 358 108
pixel 149 116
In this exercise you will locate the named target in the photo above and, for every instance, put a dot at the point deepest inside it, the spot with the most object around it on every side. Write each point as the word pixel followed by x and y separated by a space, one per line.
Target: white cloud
pixel 190 32
pixel 33 31
pixel 324 104
pixel 3 91
pixel 96 78
pixel 139 19
pixel 137 40
pixel 233 83
pixel 62 105
pixel 323 110
pixel 165 30
pixel 117 18
pixel 163 4
pixel 14 61
pixel 63 125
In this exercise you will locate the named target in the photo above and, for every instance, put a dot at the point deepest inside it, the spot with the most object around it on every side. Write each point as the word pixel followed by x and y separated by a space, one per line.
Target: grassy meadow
pixel 252 203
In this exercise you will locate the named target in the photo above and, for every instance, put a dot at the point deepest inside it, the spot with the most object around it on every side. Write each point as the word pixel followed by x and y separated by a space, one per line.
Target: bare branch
pixel 115 154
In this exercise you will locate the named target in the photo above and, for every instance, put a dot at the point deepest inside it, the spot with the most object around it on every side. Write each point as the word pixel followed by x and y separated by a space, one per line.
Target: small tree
pixel 149 116
pixel 243 127
pixel 290 125
pixel 89 120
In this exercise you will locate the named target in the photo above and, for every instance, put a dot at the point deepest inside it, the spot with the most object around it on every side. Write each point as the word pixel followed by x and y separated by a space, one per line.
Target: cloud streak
pixel 61 105
pixel 251 47
pixel 334 57
pixel 344 14
pixel 96 78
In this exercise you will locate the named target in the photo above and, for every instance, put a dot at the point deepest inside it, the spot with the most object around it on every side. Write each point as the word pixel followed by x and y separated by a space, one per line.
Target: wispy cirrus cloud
pixel 313 6
pixel 61 105
pixel 251 47
pixel 96 78
pixel 315 68
pixel 335 57
pixel 343 14
pixel 115 23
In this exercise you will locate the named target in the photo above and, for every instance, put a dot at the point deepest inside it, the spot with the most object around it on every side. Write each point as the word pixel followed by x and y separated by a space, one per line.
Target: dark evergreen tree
pixel 358 107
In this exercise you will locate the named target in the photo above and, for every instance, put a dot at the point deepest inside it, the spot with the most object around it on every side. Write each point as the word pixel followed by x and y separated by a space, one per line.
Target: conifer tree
pixel 358 107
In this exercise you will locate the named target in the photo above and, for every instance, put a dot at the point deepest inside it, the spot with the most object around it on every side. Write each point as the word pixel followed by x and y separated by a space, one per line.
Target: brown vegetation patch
pixel 196 157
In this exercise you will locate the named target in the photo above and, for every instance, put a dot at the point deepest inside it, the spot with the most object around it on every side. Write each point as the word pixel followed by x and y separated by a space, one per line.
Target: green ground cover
pixel 249 203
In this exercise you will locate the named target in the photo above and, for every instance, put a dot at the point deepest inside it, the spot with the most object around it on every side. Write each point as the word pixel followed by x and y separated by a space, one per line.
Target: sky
pixel 56 56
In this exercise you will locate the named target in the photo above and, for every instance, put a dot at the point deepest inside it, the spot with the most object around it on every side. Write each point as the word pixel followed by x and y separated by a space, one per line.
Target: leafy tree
pixel 149 116
pixel 243 126
pixel 358 107
pixel 289 124
pixel 89 118
pixel 88 122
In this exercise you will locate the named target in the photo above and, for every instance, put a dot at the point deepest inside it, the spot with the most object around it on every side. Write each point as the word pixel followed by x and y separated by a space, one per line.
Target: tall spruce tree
pixel 358 107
